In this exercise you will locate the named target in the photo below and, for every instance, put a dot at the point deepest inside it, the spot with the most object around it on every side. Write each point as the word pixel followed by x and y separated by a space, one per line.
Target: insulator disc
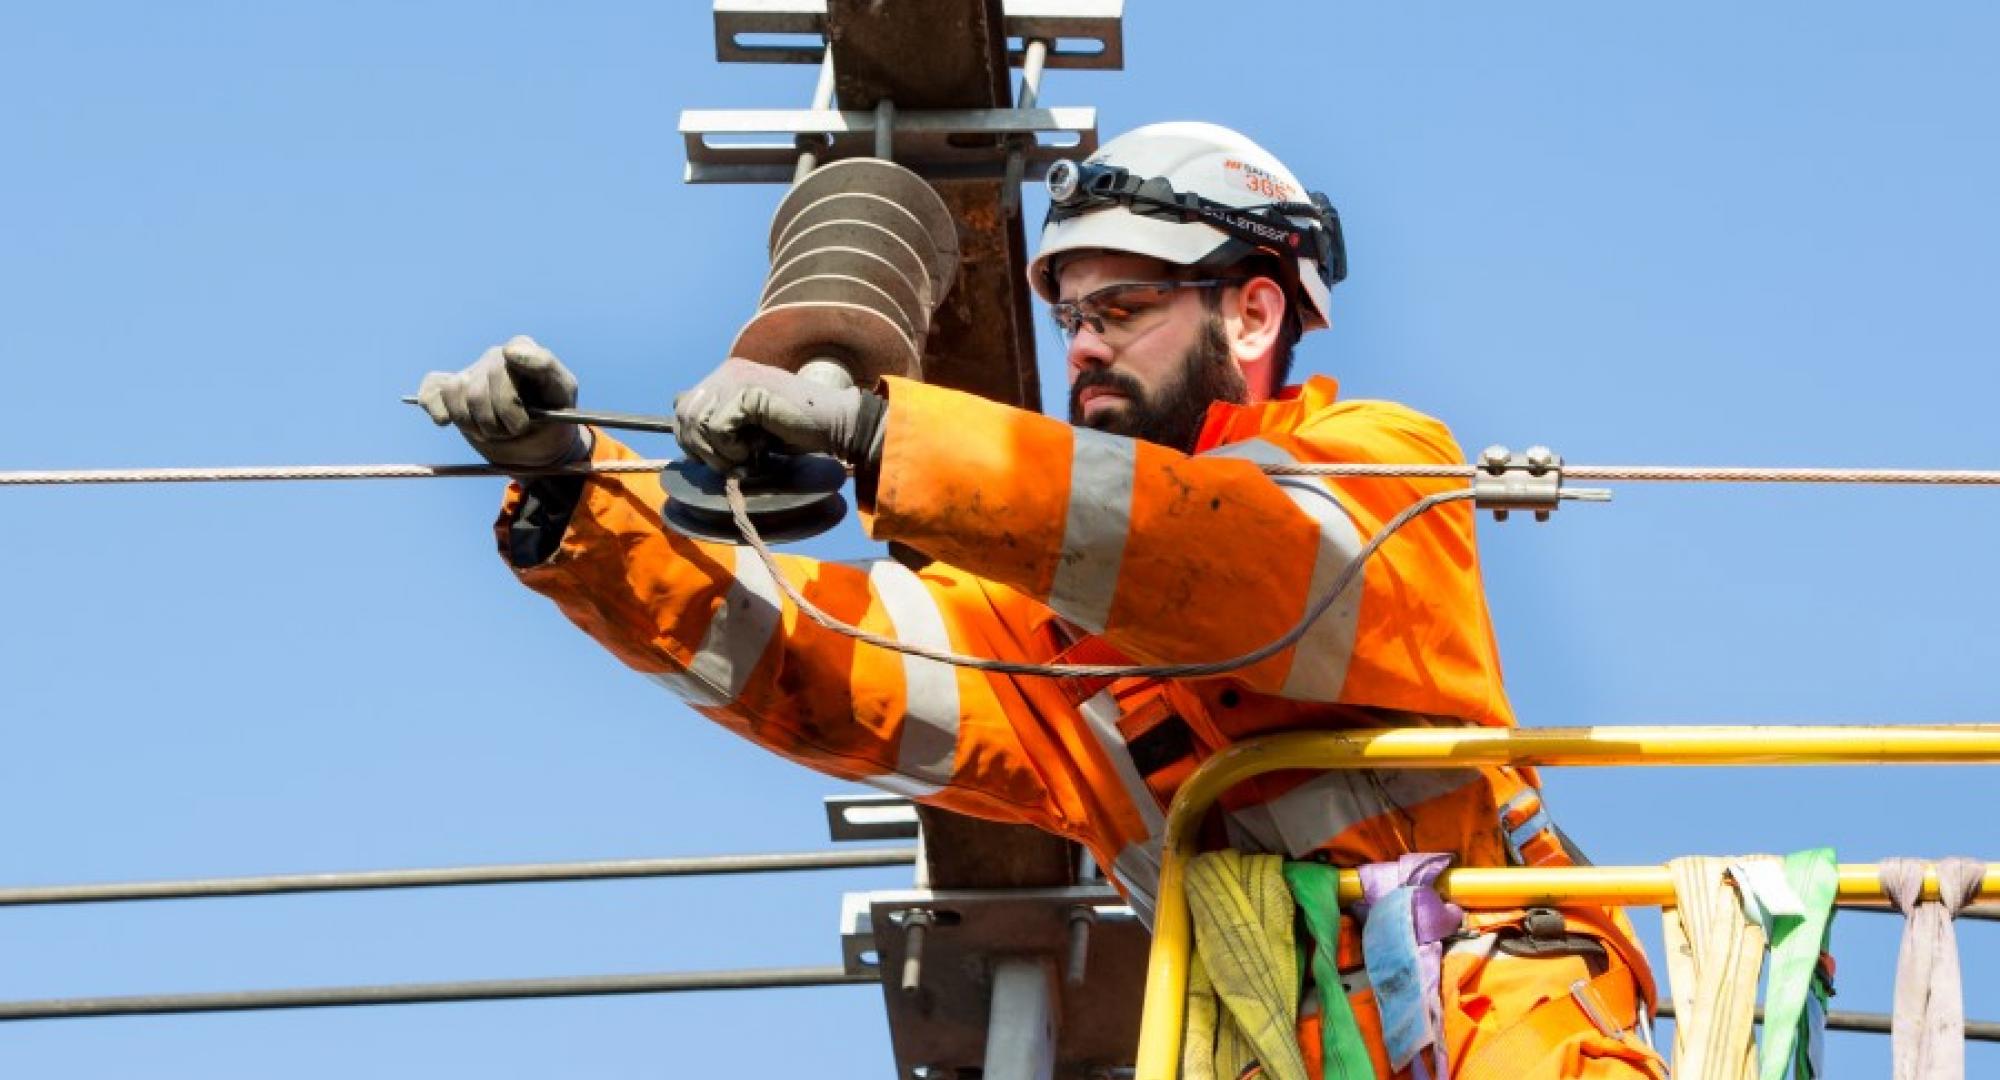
pixel 833 318
pixel 852 263
pixel 874 179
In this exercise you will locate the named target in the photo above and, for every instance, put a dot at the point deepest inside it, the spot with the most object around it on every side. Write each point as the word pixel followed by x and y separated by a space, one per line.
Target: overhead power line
pixel 502 874
pixel 1688 474
pixel 431 993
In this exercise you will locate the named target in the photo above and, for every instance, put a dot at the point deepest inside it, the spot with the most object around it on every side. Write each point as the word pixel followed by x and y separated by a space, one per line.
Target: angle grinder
pixel 862 253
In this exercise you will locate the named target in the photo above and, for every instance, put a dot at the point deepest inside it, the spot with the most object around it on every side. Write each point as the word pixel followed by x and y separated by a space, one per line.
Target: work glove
pixel 744 407
pixel 489 402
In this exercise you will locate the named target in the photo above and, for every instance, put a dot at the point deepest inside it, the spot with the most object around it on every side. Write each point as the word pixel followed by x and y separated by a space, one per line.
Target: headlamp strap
pixel 1097 187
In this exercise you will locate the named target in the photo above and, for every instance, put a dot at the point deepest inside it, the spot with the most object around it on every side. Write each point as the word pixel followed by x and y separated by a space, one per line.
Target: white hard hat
pixel 1194 195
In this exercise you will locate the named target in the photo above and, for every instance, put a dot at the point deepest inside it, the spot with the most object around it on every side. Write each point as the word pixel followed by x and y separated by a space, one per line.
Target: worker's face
pixel 1159 360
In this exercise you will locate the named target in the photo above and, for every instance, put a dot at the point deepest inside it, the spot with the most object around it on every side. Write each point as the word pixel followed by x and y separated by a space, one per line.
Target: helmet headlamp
pixel 1080 188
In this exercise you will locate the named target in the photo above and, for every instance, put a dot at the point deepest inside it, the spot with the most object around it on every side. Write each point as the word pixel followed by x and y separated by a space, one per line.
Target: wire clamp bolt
pixel 1504 481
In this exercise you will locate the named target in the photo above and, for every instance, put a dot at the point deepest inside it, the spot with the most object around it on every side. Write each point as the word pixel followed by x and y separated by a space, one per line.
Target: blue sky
pixel 235 233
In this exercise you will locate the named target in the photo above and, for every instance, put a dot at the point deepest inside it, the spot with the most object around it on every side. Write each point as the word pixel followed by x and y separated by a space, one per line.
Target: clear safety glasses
pixel 1115 312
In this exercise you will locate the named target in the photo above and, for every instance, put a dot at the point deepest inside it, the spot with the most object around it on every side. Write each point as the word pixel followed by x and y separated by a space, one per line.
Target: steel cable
pixel 1686 474
pixel 1624 473
pixel 233 473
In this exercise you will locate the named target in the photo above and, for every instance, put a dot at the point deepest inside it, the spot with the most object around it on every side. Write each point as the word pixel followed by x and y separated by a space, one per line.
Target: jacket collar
pixel 1228 423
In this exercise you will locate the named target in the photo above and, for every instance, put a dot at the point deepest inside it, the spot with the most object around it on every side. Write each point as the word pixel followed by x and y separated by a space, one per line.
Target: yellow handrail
pixel 1166 973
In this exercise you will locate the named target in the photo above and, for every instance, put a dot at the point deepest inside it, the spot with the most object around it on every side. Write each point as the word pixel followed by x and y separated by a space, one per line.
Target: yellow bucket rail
pixel 1405 748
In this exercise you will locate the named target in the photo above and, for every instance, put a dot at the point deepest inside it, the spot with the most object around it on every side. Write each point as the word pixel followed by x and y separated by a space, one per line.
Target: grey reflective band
pixel 1308 817
pixel 1103 469
pixel 928 744
pixel 1320 659
pixel 737 635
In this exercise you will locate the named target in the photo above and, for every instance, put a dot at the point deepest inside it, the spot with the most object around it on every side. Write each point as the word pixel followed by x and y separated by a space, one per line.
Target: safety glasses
pixel 1115 312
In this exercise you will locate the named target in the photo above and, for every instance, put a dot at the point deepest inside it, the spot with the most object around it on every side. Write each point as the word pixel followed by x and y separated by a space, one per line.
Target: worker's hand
pixel 489 402
pixel 744 407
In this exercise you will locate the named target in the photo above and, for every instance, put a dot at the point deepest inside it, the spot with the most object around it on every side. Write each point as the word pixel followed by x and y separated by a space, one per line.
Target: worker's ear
pixel 1253 319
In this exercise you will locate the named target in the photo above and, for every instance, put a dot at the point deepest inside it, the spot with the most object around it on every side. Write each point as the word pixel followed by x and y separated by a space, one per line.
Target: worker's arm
pixel 1177 558
pixel 706 622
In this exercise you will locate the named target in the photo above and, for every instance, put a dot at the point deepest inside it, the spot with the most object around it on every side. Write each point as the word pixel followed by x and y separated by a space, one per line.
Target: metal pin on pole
pixel 885 129
pixel 915 922
pixel 1078 965
pixel 1031 88
pixel 822 100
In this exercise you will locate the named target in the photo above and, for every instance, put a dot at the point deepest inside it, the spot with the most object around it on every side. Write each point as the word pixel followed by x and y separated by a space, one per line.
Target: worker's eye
pixel 1122 303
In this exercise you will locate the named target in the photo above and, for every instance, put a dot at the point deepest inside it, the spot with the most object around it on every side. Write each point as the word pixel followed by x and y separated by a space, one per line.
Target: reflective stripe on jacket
pixel 1045 533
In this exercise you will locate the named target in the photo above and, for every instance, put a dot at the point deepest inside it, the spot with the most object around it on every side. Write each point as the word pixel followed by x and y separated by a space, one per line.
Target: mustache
pixel 1116 380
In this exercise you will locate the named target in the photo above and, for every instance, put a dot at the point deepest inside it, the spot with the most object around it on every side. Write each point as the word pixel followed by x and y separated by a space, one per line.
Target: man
pixel 1183 262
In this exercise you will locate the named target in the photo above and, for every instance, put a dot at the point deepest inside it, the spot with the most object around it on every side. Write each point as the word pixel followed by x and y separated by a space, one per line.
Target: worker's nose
pixel 1087 350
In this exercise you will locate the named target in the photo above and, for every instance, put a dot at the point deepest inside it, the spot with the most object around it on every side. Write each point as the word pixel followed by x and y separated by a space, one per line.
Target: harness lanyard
pixel 1343 1051
pixel 1402 939
pixel 1797 940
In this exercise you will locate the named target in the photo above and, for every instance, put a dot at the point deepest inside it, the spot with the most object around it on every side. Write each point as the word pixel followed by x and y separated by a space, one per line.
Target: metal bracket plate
pixel 735 146
pixel 871 817
pixel 941 1025
pixel 1083 33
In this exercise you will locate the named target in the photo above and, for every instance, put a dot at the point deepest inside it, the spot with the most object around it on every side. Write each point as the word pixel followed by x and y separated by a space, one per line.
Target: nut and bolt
pixel 1080 918
pixel 915 922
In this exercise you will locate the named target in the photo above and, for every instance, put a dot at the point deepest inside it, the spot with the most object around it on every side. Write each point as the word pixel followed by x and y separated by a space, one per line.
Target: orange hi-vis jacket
pixel 1056 543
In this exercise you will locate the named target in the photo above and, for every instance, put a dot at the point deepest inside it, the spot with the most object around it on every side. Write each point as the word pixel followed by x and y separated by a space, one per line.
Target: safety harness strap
pixel 1530 832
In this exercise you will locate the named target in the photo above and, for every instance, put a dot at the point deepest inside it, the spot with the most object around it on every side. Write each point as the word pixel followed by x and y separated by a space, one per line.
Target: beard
pixel 1173 415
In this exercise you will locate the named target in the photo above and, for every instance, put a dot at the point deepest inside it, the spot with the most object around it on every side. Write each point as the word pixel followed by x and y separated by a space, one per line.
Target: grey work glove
pixel 488 401
pixel 744 407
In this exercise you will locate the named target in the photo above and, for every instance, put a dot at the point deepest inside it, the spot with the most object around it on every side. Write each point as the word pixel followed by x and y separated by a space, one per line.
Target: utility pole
pixel 976 959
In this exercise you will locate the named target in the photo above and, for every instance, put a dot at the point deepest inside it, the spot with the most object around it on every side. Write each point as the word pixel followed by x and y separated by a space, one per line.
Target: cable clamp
pixel 1505 481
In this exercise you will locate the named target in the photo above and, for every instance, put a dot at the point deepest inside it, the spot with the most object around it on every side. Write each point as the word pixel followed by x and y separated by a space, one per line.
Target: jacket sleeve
pixel 706 622
pixel 1176 558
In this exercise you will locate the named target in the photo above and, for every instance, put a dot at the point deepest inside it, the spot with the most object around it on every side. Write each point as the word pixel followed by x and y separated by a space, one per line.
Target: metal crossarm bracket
pixel 735 146
pixel 1082 33
pixel 870 817
pixel 1532 480
pixel 961 968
